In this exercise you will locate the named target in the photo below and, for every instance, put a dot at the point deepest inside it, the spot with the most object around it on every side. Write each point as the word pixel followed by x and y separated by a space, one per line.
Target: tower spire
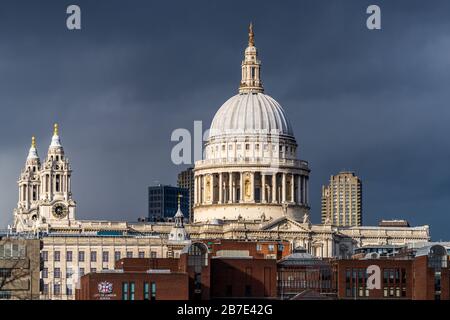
pixel 251 36
pixel 251 67
pixel 55 139
pixel 32 154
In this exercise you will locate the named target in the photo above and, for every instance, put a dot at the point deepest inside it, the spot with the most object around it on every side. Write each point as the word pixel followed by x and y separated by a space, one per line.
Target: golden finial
pixel 251 36
pixel 33 142
pixel 179 199
pixel 55 129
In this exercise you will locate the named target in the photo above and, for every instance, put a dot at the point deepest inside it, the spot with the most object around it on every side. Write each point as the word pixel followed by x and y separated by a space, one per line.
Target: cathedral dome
pixel 250 113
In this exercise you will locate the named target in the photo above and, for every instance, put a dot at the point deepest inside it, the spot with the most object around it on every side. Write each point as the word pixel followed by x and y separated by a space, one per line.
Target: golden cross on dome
pixel 55 129
pixel 33 142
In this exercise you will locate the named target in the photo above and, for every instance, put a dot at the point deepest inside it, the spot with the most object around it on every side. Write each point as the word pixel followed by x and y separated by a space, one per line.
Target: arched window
pixel 57 183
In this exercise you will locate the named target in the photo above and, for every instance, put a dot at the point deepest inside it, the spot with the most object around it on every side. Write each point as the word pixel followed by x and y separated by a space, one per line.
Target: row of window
pixel 5 273
pixel 266 147
pixel 57 289
pixel 128 291
pixel 270 247
pixel 394 282
pixel 12 250
pixel 93 255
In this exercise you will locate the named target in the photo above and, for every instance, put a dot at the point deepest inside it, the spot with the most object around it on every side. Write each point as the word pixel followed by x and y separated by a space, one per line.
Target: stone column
pixel 292 188
pixel 252 190
pixel 204 189
pixel 211 186
pixel 241 191
pixel 274 187
pixel 306 191
pixel 230 187
pixel 220 187
pixel 303 190
pixel 195 190
pixel 283 189
pixel 299 189
pixel 263 187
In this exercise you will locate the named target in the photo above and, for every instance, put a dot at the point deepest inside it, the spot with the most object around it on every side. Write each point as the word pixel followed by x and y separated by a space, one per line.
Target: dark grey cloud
pixel 375 102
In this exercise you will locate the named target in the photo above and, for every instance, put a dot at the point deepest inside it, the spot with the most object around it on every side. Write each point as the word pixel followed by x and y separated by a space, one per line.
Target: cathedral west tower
pixel 45 194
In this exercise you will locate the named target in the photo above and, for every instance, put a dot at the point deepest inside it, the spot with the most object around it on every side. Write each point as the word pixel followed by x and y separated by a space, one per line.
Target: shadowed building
pixel 20 267
pixel 186 181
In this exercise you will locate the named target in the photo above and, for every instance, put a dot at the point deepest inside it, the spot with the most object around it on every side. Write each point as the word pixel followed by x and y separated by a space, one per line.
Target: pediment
pixel 284 224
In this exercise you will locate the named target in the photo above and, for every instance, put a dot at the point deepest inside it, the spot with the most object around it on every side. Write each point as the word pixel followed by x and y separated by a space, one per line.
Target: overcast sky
pixel 375 102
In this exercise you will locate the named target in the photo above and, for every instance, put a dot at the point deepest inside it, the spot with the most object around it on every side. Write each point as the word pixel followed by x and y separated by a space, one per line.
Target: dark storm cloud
pixel 375 102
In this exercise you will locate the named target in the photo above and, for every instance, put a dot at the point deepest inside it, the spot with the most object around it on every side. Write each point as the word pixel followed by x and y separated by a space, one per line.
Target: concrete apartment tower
pixel 342 200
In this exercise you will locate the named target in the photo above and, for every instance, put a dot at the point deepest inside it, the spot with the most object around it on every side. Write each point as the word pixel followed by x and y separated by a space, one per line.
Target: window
pixel 153 291
pixel 248 290
pixel 141 254
pixel 93 270
pixel 5 273
pixel 45 255
pixel 229 290
pixel 153 254
pixel 69 290
pixel 45 273
pixel 117 255
pixel 57 256
pixel 5 295
pixel 57 273
pixel 81 256
pixel 124 290
pixel 131 290
pixel 247 146
pixel 129 254
pixel 69 273
pixel 93 256
pixel 105 256
pixel 69 256
pixel 146 291
pixel 258 247
pixel 57 289
pixel 45 288
pixel 81 272
pixel 271 247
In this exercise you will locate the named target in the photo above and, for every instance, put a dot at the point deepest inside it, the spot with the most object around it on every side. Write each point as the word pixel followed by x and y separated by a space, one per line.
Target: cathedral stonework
pixel 251 167
pixel 45 196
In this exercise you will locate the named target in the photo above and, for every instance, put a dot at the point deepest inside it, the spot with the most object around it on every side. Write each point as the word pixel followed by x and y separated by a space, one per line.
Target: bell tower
pixel 29 183
pixel 57 205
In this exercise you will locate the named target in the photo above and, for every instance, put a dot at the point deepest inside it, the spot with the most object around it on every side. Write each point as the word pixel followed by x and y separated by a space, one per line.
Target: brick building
pixel 420 275
pixel 204 270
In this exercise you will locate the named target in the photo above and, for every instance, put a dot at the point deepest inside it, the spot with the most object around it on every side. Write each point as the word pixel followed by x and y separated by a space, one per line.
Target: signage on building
pixel 105 290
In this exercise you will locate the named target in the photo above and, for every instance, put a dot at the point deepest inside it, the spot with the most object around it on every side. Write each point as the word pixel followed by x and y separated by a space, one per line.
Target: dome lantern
pixel 251 67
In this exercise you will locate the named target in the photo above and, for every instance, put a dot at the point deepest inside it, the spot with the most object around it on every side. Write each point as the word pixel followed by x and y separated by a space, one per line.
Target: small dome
pixel 250 113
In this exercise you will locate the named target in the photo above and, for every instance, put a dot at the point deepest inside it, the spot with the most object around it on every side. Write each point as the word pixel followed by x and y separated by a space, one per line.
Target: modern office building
pixel 20 267
pixel 163 202
pixel 186 181
pixel 342 200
